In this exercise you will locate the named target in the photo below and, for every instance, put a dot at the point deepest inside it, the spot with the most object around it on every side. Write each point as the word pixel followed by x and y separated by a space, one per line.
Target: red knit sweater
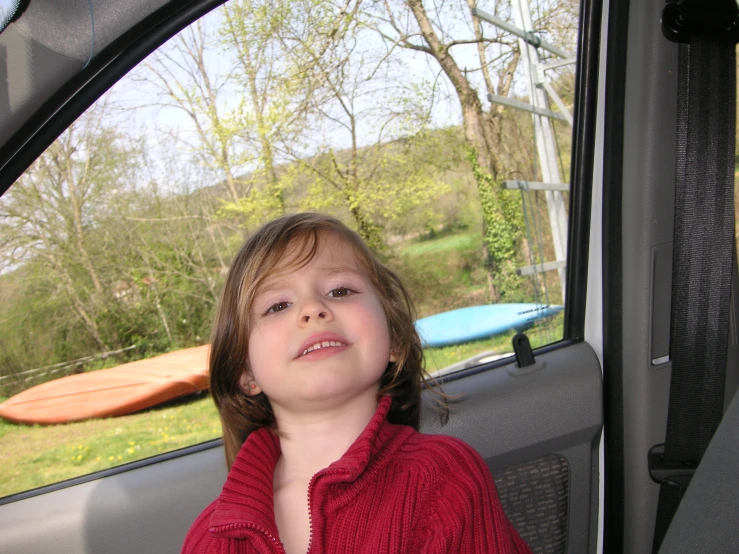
pixel 394 491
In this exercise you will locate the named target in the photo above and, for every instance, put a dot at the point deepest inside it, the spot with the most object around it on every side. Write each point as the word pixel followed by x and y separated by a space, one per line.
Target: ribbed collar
pixel 247 501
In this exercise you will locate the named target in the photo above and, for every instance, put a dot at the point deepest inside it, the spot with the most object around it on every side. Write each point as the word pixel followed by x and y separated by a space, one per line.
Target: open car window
pixel 117 239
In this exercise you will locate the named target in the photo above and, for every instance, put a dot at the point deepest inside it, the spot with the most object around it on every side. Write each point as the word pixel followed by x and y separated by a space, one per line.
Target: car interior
pixel 569 438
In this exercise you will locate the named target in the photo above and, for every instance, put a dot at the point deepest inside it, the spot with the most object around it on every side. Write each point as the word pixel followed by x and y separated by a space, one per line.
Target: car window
pixel 438 133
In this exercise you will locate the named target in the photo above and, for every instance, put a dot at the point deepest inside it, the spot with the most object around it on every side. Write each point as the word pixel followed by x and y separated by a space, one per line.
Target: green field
pixel 33 456
pixel 539 335
pixel 446 268
pixel 443 244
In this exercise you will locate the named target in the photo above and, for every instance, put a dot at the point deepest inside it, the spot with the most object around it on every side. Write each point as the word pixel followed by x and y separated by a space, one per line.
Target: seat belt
pixel 703 247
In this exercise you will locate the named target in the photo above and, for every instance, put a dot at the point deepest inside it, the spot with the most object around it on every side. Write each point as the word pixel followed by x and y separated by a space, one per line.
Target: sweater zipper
pixel 232 526
pixel 310 511
pixel 311 485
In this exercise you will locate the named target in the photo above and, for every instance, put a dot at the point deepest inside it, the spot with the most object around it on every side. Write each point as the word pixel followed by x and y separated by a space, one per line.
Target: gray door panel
pixel 148 509
pixel 515 420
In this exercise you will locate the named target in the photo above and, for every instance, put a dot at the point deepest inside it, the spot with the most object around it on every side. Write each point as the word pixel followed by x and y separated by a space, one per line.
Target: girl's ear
pixel 393 356
pixel 249 385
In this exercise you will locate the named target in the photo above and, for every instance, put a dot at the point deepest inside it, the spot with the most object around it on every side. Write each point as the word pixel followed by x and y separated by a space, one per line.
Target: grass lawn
pixel 543 333
pixel 446 268
pixel 33 456
pixel 456 242
pixel 443 273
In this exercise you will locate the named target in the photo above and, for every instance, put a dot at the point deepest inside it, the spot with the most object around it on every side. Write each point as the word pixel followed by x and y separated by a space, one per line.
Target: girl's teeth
pixel 323 344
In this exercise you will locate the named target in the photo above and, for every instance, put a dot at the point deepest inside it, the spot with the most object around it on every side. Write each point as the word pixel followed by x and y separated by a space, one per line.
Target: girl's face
pixel 319 335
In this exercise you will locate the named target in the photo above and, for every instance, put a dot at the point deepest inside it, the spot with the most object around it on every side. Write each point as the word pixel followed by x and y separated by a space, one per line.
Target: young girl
pixel 316 370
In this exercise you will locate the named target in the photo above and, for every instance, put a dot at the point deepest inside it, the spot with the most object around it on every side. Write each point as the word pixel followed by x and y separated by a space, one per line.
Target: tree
pixel 443 31
pixel 174 254
pixel 49 215
pixel 186 76
pixel 251 29
pixel 353 94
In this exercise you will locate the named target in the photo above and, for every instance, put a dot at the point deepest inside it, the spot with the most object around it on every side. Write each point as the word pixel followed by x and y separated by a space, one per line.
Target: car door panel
pixel 515 418
pixel 144 509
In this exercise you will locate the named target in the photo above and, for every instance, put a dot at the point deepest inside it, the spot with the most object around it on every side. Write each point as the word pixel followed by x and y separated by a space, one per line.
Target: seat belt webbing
pixel 702 258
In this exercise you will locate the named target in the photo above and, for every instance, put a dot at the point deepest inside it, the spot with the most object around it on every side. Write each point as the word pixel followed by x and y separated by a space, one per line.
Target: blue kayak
pixel 479 322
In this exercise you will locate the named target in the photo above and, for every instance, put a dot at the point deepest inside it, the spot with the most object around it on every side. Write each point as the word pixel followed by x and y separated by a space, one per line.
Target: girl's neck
pixel 312 441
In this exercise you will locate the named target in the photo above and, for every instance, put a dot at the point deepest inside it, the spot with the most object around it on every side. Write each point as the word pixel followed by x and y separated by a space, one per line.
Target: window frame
pixel 127 51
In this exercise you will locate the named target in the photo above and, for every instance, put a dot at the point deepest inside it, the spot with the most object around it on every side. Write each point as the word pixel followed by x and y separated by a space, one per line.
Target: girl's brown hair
pixel 298 236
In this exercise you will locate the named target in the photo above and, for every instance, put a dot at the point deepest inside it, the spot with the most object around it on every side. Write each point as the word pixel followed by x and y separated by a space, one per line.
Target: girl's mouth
pixel 321 345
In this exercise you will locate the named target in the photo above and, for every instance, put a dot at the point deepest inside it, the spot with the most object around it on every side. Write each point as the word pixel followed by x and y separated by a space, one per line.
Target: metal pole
pixel 517 104
pixel 535 185
pixel 525 34
pixel 544 134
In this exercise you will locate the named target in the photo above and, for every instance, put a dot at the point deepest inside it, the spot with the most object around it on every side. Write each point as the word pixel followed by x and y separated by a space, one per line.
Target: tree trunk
pixel 478 128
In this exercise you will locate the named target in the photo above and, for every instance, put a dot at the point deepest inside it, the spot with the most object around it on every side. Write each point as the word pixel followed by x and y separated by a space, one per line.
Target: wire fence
pixel 16 382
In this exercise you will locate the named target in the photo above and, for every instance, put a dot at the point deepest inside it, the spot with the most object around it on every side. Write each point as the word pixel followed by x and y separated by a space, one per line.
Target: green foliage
pixel 161 259
pixel 443 244
pixel 442 273
pixel 256 208
pixel 503 229
pixel 390 185
pixel 90 265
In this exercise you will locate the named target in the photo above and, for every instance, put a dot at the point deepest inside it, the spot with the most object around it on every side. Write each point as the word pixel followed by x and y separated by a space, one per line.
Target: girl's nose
pixel 315 310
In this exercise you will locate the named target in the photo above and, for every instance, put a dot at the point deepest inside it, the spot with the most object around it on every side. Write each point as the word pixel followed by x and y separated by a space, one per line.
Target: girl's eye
pixel 278 307
pixel 340 292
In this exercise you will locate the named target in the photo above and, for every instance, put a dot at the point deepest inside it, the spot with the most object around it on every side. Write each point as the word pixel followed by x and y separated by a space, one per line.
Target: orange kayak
pixel 110 392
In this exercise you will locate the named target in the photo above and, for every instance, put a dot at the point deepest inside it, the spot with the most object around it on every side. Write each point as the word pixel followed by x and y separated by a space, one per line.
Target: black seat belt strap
pixel 703 251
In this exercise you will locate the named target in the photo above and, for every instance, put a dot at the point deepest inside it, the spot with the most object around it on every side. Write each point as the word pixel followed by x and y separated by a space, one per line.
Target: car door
pixel 538 426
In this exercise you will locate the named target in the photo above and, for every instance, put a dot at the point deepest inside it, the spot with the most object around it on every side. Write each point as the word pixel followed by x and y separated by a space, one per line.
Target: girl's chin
pixel 328 393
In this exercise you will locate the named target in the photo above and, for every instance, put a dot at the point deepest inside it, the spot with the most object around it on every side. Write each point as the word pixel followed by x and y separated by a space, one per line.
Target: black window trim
pixel 613 401
pixel 581 167
pixel 82 90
